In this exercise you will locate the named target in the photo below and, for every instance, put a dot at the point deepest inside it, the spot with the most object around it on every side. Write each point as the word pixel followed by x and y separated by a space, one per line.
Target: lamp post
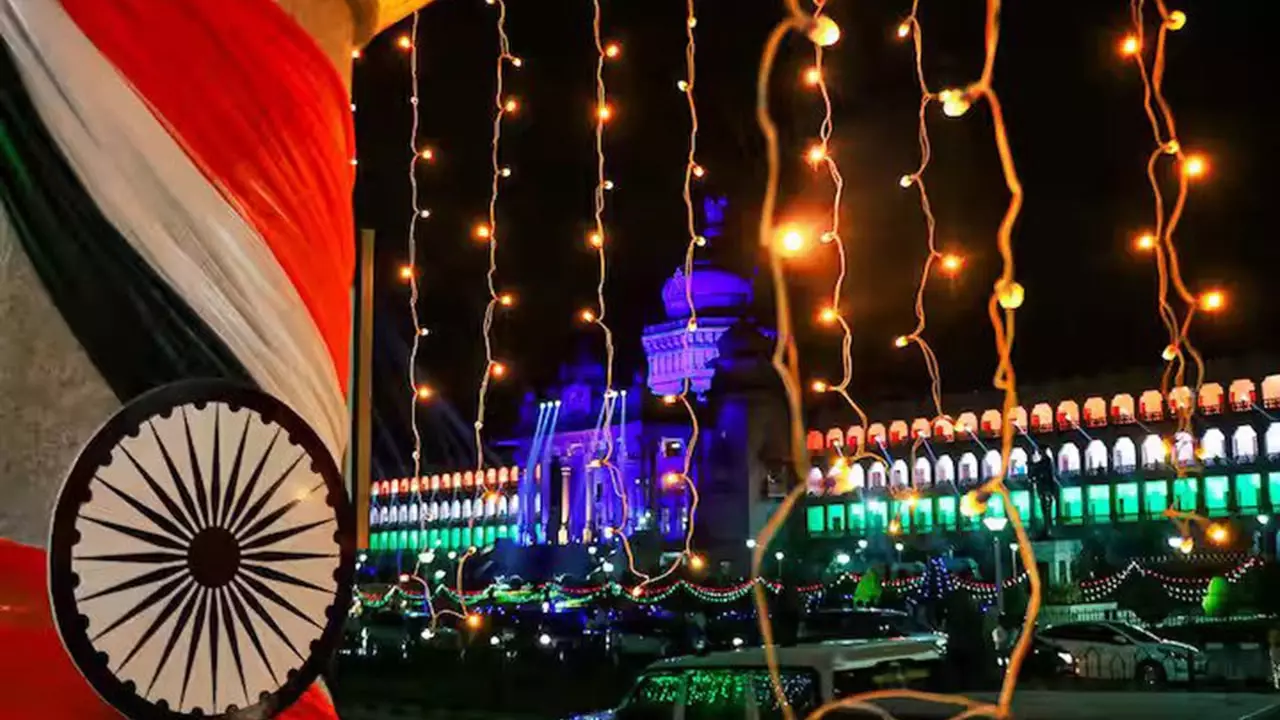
pixel 995 525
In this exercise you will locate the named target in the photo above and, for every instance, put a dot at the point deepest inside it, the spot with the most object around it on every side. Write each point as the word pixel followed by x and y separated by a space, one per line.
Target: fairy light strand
pixel 1006 298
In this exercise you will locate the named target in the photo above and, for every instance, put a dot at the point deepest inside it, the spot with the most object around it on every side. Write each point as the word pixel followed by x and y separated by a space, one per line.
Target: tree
pixel 868 591
pixel 1145 597
pixel 1217 597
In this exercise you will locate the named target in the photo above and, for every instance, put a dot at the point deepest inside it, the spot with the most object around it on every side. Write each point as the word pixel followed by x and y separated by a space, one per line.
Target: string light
pixel 404 42
pixel 819 386
pixel 1145 242
pixel 427 154
pixel 1213 301
pixel 1131 45
pixel 424 393
pixel 813 76
pixel 406 272
pixel 587 316
pixel 786 359
pixel 506 300
pixel 670 399
pixel 612 50
pixel 1194 166
pixel 482 232
pixel 791 241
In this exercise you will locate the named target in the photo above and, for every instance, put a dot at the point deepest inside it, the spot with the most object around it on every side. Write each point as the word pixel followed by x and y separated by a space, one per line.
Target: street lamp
pixel 843 558
pixel 779 556
pixel 1013 559
pixel 995 525
pixel 751 543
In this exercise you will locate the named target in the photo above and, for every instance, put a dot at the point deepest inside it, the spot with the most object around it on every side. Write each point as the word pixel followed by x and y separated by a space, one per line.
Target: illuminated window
pixel 1153 451
pixel 1184 494
pixel 1272 440
pixel 1244 444
pixel 1095 458
pixel 1213 446
pixel 947 512
pixel 1017 462
pixel 857 518
pixel 946 470
pixel 1127 501
pixel 968 468
pixel 1124 456
pixel 816 520
pixel 923 520
pixel 1184 449
pixel 835 519
pixel 990 464
pixel 875 475
pixel 1099 503
pixel 877 515
pixel 899 472
pixel 1216 491
pixel 923 473
pixel 1157 497
pixel 1022 501
pixel 1249 492
pixel 1069 460
pixel 1071 506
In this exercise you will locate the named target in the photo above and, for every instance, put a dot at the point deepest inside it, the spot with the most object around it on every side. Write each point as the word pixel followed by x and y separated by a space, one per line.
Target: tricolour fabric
pixel 264 115
pixel 170 214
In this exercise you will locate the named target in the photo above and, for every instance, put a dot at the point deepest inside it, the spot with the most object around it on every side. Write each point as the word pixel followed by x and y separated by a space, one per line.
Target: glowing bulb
pixel 587 316
pixel 404 578
pixel 1170 352
pixel 692 21
pixel 906 180
pixel 482 232
pixel 696 562
pixel 1173 147
pixel 427 154
pixel 406 272
pixel 355 54
pixel 670 479
pixel 1145 242
pixel 951 263
pixel 791 241
pixel 954 102
pixel 517 62
pixel 816 154
pixel 813 76
pixel 904 30
pixel 700 240
pixel 971 506
pixel 612 50
pixel 505 172
pixel 404 42
pixel 828 237
pixel 819 386
pixel 423 332
pixel 424 393
pixel 895 527
pixel 424 213
pixel 473 621
pixel 912 500
pixel 497 370
pixel 669 399
pixel 824 31
pixel 1194 166
pixel 1176 20
pixel 901 341
pixel 1213 301
pixel 1011 295
pixel 682 85
pixel 511 105
pixel 1186 545
pixel 1130 45
pixel 828 316
pixel 608 185
pixel 604 113
pixel 637 591
pixel 595 240
pixel 691 326
pixel 506 299
pixel 698 171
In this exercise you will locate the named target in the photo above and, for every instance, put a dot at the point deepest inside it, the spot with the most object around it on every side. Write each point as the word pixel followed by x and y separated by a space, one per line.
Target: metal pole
pixel 361 460
pixel 999 575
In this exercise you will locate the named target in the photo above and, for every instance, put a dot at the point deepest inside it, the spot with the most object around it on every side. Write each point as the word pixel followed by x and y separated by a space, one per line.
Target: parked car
pixel 1045 663
pixel 1122 651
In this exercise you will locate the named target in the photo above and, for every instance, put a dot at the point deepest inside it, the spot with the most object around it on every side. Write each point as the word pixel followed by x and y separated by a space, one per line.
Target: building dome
pixel 714 291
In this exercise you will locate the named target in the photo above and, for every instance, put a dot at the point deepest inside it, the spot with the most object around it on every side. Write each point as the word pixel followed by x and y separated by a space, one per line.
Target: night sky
pixel 1076 124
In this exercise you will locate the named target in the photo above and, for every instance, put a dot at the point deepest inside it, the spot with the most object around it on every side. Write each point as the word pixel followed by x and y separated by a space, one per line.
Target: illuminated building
pixel 1109 462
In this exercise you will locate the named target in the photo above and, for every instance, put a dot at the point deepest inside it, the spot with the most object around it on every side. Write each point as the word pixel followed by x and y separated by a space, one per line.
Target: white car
pixel 1122 651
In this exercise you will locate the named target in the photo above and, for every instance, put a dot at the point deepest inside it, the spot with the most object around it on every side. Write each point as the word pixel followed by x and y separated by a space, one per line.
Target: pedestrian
pixel 1273 641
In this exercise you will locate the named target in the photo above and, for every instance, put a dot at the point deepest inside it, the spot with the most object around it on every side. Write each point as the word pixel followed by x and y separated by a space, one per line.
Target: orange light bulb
pixel 406 272
pixel 404 42
pixel 951 263
pixel 791 241
pixel 1213 301
pixel 698 171
pixel 506 300
pixel 1195 166
pixel 1218 533
pixel 587 316
pixel 474 621
pixel 828 316
pixel 498 370
pixel 595 240
pixel 1130 45
pixel 813 76
pixel 424 393
pixel 669 399
pixel 427 154
pixel 904 30
pixel 819 386
pixel 511 105
pixel 901 341
pixel 1145 242
pixel 696 562
pixel 482 232
pixel 605 113
pixel 612 50
pixel 816 154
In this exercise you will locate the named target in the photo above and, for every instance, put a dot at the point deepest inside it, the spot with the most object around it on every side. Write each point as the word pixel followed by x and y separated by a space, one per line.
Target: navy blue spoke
pixel 267 573
pixel 233 477
pixel 252 482
pixel 137 581
pixel 184 616
pixel 233 640
pixel 146 558
pixel 262 613
pixel 151 538
pixel 266 520
pixel 283 556
pixel 215 482
pixel 275 537
pixel 214 598
pixel 174 511
pixel 165 612
pixel 266 496
pixel 197 633
pixel 197 476
pixel 233 595
pixel 156 518
pixel 178 482
pixel 154 597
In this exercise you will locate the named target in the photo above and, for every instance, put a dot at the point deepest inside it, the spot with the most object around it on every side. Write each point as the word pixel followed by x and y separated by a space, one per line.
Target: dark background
pixel 1079 137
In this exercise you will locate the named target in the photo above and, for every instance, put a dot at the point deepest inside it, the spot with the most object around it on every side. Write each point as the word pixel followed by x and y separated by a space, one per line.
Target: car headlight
pixel 1067 658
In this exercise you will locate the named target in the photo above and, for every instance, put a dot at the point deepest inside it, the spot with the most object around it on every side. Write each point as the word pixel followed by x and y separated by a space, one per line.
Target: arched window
pixel 490 505
pixel 991 422
pixel 990 464
pixel 855 438
pixel 1095 412
pixel 875 475
pixel 1244 444
pixel 1041 418
pixel 433 511
pixel 1069 460
pixel 456 510
pixel 919 428
pixel 386 515
pixel 504 475
pixel 943 429
pixel 1122 409
pixel 1211 398
pixel 967 424
pixel 1151 405
pixel 373 516
pixel 1017 462
pixel 1068 415
pixel 414 486
pixel 490 477
pixel 404 513
pixel 898 432
pixel 477 507
pixel 857 477
pixel 514 507
pixel 1184 449
pixel 876 435
pixel 1213 446
pixel 968 469
pixel 815 481
pixel 1018 418
pixel 1180 399
pixel 1243 394
pixel 1271 392
pixel 413 512
pixel 946 470
pixel 1124 456
pixel 899 472
pixel 1273 440
pixel 923 474
pixel 813 441
pixel 446 513
pixel 1095 458
pixel 835 438
pixel 1153 451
